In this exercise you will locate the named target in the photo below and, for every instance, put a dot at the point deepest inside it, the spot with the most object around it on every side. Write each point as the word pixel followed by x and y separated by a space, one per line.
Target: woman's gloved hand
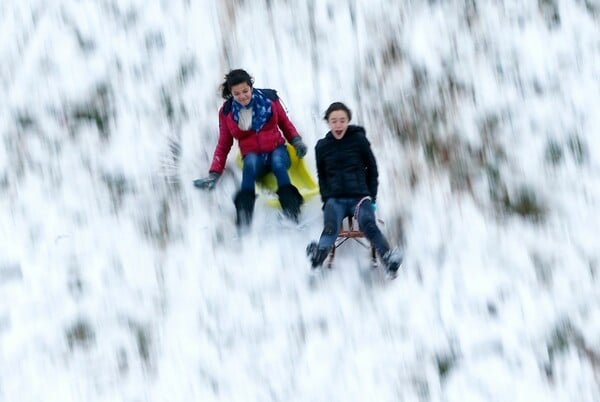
pixel 208 183
pixel 300 147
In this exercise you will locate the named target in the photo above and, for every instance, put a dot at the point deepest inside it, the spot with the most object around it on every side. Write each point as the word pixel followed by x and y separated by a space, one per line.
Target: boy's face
pixel 338 123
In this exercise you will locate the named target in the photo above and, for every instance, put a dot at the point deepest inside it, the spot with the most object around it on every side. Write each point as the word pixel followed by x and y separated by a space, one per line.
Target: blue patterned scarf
pixel 261 109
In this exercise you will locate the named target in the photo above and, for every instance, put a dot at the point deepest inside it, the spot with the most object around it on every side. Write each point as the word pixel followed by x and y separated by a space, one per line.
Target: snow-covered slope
pixel 121 282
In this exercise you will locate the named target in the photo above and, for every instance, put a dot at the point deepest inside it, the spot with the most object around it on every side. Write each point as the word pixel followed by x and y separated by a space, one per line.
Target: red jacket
pixel 264 141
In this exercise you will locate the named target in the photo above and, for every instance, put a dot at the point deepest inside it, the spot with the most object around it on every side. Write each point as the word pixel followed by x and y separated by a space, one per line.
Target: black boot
pixel 316 254
pixel 244 207
pixel 393 260
pixel 290 200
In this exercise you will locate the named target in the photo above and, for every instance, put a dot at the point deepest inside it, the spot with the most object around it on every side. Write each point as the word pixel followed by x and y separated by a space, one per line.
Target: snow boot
pixel 244 207
pixel 316 254
pixel 393 260
pixel 290 200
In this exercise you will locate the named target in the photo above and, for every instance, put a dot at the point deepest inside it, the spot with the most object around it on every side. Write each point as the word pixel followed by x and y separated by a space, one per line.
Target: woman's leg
pixel 289 196
pixel 280 163
pixel 254 168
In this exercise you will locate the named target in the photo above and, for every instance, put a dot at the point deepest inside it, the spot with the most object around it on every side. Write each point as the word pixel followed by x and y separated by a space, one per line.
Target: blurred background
pixel 119 281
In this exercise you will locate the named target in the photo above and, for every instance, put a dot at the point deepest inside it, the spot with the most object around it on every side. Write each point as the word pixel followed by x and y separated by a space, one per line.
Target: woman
pixel 256 119
pixel 348 181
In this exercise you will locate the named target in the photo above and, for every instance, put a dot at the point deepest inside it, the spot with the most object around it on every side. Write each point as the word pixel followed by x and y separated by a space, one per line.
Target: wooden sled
pixel 300 177
pixel 349 230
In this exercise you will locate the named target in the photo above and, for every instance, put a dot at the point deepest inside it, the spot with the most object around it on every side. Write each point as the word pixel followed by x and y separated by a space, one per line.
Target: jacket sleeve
pixel 283 121
pixel 371 168
pixel 223 147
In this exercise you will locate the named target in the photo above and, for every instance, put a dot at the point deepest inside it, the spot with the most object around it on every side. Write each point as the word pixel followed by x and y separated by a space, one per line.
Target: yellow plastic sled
pixel 299 176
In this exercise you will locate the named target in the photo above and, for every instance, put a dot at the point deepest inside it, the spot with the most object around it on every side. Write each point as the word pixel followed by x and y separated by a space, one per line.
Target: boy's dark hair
pixel 235 77
pixel 337 106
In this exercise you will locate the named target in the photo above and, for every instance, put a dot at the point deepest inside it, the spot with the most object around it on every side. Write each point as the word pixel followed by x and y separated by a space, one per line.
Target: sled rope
pixel 358 207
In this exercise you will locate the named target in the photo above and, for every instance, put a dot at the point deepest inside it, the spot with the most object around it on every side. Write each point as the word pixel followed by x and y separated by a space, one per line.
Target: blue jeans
pixel 258 165
pixel 334 212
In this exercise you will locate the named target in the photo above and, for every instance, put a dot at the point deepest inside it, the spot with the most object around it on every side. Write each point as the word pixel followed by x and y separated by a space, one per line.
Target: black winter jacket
pixel 346 167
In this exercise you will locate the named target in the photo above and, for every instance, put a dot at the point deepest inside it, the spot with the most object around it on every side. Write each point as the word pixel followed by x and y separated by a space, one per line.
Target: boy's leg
pixel 333 213
pixel 368 225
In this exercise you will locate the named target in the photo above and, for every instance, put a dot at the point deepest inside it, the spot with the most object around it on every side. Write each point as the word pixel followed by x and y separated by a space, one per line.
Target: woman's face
pixel 242 93
pixel 338 123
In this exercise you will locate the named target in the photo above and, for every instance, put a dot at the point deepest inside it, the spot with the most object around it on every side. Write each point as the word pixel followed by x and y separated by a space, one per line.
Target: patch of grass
pixel 118 186
pixel 525 204
pixel 96 110
pixel 24 121
pixel 445 364
pixel 553 153
pixel 80 334
pixel 579 149
pixel 142 340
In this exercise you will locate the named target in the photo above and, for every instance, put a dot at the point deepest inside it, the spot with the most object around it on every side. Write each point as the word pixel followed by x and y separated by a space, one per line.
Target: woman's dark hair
pixel 235 77
pixel 337 106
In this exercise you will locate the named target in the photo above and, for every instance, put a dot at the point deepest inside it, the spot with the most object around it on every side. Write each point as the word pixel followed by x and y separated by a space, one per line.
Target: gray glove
pixel 300 147
pixel 208 183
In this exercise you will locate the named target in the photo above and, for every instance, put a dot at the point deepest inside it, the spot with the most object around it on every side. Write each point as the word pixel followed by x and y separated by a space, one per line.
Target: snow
pixel 119 281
